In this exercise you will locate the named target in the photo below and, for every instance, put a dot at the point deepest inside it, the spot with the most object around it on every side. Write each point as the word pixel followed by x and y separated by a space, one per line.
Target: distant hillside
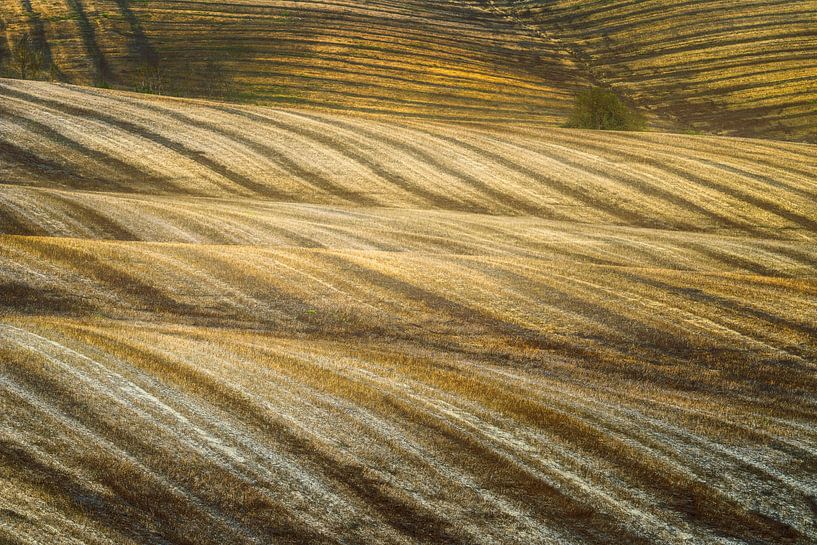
pixel 422 57
pixel 740 68
pixel 736 67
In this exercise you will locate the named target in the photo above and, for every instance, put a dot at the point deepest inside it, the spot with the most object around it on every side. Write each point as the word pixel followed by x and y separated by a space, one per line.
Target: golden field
pixel 715 66
pixel 227 323
pixel 421 58
pixel 746 68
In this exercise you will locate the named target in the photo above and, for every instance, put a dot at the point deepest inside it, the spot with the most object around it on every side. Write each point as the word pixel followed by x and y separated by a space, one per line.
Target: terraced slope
pixel 746 68
pixel 227 324
pixel 448 59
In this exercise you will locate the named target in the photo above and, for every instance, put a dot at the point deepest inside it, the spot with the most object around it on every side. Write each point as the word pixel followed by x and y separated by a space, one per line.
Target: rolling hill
pixel 226 323
pixel 717 66
pixel 423 58
pixel 746 68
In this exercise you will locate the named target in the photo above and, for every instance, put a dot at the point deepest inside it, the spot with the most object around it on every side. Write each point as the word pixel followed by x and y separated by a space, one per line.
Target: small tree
pixel 602 109
pixel 150 78
pixel 26 56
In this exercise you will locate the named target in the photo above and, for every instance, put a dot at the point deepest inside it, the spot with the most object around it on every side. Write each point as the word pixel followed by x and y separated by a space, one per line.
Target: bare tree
pixel 26 56
pixel 150 78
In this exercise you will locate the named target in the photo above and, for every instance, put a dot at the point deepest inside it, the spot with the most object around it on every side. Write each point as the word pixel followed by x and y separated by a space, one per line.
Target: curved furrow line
pixel 635 178
pixel 426 299
pixel 39 279
pixel 118 170
pixel 479 388
pixel 22 162
pixel 709 416
pixel 126 464
pixel 650 306
pixel 123 289
pixel 229 272
pixel 798 160
pixel 208 293
pixel 570 293
pixel 675 406
pixel 417 391
pixel 294 437
pixel 96 387
pixel 221 222
pixel 508 162
pixel 403 69
pixel 87 214
pixel 667 162
pixel 238 474
pixel 611 180
pixel 447 36
pixel 412 404
pixel 145 152
pixel 709 456
pixel 391 176
pixel 744 310
pixel 29 215
pixel 412 146
pixel 651 445
pixel 755 153
pixel 261 152
pixel 677 57
pixel 696 175
pixel 617 342
pixel 159 220
pixel 576 159
pixel 248 454
pixel 326 379
pixel 43 514
pixel 647 185
pixel 733 257
pixel 142 132
pixel 194 263
pixel 347 156
pixel 195 225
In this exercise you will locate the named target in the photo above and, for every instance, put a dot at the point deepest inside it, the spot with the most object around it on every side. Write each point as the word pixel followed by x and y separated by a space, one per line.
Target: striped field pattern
pixel 250 325
pixel 744 67
pixel 449 59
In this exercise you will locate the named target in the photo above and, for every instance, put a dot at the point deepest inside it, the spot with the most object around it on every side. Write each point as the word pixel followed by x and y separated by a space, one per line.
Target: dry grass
pixel 419 58
pixel 256 325
pixel 711 66
pixel 743 68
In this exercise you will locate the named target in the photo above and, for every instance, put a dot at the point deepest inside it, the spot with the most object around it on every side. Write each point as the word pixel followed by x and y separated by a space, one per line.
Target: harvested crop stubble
pixel 743 68
pixel 425 58
pixel 225 324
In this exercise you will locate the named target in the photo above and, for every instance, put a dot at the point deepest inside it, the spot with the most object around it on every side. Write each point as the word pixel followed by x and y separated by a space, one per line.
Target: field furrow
pixel 241 324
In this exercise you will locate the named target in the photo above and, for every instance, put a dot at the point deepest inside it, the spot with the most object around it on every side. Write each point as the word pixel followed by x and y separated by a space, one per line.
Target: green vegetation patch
pixel 602 109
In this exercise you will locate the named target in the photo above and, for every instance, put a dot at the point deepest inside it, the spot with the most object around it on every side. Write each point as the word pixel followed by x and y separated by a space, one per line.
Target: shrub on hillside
pixel 602 109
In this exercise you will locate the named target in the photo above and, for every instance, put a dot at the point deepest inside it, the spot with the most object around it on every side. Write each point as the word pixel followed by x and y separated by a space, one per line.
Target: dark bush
pixel 602 109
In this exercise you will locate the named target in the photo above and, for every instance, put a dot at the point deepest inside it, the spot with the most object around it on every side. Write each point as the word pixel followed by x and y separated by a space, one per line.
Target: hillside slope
pixel 237 324
pixel 718 66
pixel 745 68
pixel 447 59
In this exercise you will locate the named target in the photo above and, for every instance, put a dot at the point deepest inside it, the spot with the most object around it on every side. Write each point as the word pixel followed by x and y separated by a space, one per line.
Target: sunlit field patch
pixel 245 324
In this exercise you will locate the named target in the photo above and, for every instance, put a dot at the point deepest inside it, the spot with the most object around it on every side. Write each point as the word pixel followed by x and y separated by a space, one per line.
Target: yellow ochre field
pixel 240 324
pixel 424 58
pixel 330 272
pixel 733 67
